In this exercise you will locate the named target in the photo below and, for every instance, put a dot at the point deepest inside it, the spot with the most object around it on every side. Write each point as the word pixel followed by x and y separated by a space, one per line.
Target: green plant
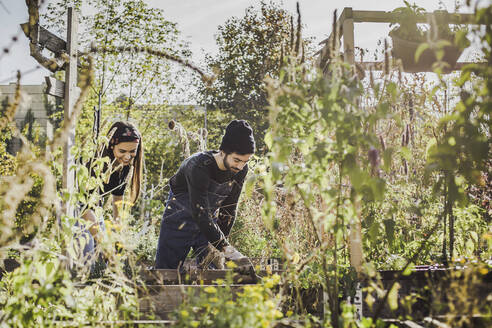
pixel 250 49
pixel 224 305
pixel 407 18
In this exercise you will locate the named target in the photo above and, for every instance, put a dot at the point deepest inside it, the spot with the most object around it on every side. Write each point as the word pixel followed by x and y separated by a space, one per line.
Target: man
pixel 201 207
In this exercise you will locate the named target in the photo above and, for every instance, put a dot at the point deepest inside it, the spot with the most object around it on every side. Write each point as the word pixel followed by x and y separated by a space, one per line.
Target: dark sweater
pixel 193 177
pixel 117 182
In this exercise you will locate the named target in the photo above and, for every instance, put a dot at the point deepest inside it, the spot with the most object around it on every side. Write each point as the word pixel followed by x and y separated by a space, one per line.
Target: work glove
pixel 215 257
pixel 244 265
pixel 232 254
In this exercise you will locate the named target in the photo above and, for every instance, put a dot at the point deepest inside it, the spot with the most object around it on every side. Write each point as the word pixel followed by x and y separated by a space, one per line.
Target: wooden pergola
pixel 345 28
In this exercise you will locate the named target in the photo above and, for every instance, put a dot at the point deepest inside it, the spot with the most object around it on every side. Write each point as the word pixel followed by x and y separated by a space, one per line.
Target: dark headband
pixel 125 134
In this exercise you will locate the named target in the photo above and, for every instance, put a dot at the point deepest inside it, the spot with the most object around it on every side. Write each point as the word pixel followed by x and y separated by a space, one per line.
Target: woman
pixel 125 153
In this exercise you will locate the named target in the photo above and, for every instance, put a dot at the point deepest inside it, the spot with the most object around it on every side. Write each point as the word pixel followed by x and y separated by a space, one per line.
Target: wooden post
pixel 355 236
pixel 69 102
pixel 348 36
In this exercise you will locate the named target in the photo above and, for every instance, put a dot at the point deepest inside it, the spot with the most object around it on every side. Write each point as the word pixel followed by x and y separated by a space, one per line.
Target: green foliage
pixel 41 292
pixel 251 48
pixel 7 161
pixel 379 163
pixel 462 151
pixel 217 306
pixel 407 19
pixel 132 23
pixel 320 139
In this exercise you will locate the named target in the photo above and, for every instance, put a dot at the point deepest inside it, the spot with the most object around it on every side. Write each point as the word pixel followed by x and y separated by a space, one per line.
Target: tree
pixel 251 48
pixel 108 26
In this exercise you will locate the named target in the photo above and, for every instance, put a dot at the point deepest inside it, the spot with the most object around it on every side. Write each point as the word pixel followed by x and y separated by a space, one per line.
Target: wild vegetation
pixel 387 172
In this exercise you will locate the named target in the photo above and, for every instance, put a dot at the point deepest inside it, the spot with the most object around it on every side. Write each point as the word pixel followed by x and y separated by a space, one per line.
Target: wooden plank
pixel 348 36
pixel 169 276
pixel 162 299
pixel 54 87
pixel 117 323
pixel 43 38
pixel 378 66
pixel 46 39
pixel 369 16
pixel 411 324
pixel 51 41
pixel 400 323
pixel 70 99
pixel 435 323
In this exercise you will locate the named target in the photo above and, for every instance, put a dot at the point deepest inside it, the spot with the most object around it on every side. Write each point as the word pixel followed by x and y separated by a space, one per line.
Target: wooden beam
pixel 378 66
pixel 348 36
pixel 355 239
pixel 411 324
pixel 54 87
pixel 45 39
pixel 162 300
pixel 68 182
pixel 435 323
pixel 174 276
pixel 51 41
pixel 369 16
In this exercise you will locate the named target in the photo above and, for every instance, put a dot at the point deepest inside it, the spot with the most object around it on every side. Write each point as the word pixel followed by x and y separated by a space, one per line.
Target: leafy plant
pixel 407 19
pixel 224 305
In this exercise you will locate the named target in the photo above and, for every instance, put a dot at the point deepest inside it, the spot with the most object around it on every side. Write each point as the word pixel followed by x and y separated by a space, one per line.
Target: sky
pixel 198 21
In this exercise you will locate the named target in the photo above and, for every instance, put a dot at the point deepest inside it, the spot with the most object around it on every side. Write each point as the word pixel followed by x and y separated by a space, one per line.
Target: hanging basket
pixel 405 51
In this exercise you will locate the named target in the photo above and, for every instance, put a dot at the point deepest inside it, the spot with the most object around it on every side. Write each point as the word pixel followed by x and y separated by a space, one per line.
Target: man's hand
pixel 215 257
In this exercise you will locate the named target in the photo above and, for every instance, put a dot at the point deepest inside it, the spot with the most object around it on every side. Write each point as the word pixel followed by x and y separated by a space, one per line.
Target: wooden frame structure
pixel 345 27
pixel 40 38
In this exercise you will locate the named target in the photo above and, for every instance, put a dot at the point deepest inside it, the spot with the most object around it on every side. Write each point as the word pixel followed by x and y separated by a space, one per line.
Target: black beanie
pixel 238 138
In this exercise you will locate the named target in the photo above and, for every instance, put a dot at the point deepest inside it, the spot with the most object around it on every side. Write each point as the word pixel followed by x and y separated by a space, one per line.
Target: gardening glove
pixel 245 268
pixel 215 257
pixel 232 254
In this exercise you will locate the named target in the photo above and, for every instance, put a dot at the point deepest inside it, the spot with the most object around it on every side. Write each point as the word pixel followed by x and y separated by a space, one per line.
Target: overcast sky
pixel 198 20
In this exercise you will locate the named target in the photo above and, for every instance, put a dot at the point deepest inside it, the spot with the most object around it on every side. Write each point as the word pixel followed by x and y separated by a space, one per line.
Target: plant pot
pixel 405 50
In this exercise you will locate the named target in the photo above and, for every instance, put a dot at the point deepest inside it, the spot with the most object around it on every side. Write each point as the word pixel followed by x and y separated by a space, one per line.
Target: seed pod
pixel 298 34
pixel 386 57
pixel 171 125
pixel 373 156
pixel 410 108
pixel 407 135
pixel 281 60
pixel 291 45
pixel 383 145
pixel 303 53
pixel 335 34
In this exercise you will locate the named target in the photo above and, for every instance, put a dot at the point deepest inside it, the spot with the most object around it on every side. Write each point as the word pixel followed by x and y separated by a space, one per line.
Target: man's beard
pixel 227 166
